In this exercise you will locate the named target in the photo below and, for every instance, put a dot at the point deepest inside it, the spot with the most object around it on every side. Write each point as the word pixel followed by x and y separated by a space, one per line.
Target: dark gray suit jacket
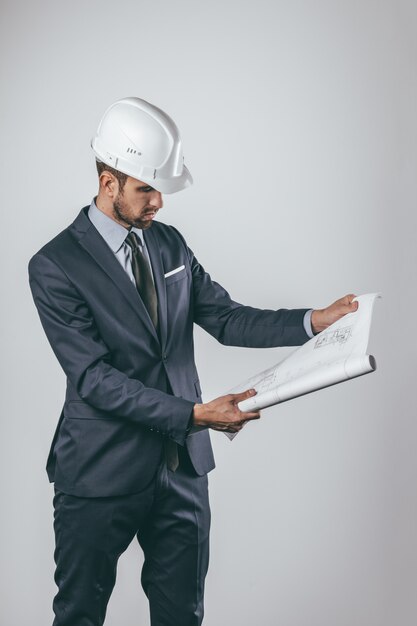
pixel 127 386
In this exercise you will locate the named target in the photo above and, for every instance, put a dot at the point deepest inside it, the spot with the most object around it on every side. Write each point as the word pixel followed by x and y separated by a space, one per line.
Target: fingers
pixel 237 426
pixel 232 429
pixel 254 415
pixel 345 304
pixel 349 303
pixel 243 395
pixel 224 414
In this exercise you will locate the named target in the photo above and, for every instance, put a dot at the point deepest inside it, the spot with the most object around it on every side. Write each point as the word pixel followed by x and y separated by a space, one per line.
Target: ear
pixel 109 184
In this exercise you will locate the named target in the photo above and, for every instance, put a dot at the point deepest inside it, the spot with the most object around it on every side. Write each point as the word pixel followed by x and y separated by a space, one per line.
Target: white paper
pixel 335 355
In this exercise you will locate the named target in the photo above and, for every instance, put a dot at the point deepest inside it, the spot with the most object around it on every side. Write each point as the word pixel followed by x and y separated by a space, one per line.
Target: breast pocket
pixel 173 276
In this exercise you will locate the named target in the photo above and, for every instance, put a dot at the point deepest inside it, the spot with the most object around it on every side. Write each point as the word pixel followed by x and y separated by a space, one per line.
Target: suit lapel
pixel 152 244
pixel 90 239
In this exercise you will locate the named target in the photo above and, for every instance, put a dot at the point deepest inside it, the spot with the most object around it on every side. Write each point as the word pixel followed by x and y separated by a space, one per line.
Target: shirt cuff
pixel 307 323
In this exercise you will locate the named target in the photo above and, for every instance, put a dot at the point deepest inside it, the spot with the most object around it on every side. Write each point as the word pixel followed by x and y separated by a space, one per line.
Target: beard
pixel 122 214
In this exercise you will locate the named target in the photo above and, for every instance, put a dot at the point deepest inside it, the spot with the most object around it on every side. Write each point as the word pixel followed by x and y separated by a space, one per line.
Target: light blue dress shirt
pixel 114 234
pixel 307 323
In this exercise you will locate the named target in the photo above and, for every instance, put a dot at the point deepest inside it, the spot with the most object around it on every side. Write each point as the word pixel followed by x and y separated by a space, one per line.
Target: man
pixel 118 294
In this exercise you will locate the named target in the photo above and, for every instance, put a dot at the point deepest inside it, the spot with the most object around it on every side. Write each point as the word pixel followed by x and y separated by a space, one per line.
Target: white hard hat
pixel 140 140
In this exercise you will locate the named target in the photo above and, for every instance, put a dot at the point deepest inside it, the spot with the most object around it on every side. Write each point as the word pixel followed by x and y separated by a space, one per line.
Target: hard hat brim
pixel 172 185
pixel 168 185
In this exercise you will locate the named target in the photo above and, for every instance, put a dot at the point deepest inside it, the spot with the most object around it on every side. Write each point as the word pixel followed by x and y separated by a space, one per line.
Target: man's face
pixel 137 204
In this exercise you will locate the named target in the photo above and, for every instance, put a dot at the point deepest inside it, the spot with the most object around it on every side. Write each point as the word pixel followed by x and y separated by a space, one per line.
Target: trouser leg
pixel 90 535
pixel 175 541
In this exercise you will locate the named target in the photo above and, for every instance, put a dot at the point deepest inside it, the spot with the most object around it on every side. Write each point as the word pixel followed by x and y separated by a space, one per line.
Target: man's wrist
pixel 196 422
pixel 316 324
pixel 197 415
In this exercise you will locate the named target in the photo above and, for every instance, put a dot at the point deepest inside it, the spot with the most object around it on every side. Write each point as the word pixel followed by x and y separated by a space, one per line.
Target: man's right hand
pixel 223 413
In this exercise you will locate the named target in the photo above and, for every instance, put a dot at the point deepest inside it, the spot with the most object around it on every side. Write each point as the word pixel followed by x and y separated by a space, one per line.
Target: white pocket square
pixel 177 269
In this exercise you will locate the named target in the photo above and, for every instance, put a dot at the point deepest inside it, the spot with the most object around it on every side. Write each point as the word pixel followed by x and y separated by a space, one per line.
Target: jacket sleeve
pixel 234 324
pixel 72 333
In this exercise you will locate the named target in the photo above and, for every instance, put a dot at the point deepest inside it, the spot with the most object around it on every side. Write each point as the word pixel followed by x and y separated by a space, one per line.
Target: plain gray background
pixel 299 127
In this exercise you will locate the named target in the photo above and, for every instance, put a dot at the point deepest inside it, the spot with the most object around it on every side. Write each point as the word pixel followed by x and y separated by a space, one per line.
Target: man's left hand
pixel 322 318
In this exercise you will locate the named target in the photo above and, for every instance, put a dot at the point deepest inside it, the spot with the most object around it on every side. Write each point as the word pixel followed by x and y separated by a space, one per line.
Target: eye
pixel 146 189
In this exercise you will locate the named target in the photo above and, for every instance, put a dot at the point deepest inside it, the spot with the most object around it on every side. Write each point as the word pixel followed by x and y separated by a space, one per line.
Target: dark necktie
pixel 143 278
pixel 146 288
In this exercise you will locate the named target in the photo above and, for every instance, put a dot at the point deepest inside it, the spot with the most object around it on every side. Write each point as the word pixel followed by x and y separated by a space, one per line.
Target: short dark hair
pixel 102 167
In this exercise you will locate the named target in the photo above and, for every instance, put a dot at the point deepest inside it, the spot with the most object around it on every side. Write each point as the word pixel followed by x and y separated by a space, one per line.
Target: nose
pixel 156 200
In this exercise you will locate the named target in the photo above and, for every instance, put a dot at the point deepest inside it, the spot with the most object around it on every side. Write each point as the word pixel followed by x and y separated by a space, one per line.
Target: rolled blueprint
pixel 335 355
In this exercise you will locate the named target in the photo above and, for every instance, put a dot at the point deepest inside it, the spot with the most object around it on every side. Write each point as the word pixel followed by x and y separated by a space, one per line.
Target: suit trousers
pixel 170 519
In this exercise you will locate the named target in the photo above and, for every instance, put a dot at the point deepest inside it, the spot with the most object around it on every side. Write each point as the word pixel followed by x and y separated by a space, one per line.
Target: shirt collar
pixel 112 232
